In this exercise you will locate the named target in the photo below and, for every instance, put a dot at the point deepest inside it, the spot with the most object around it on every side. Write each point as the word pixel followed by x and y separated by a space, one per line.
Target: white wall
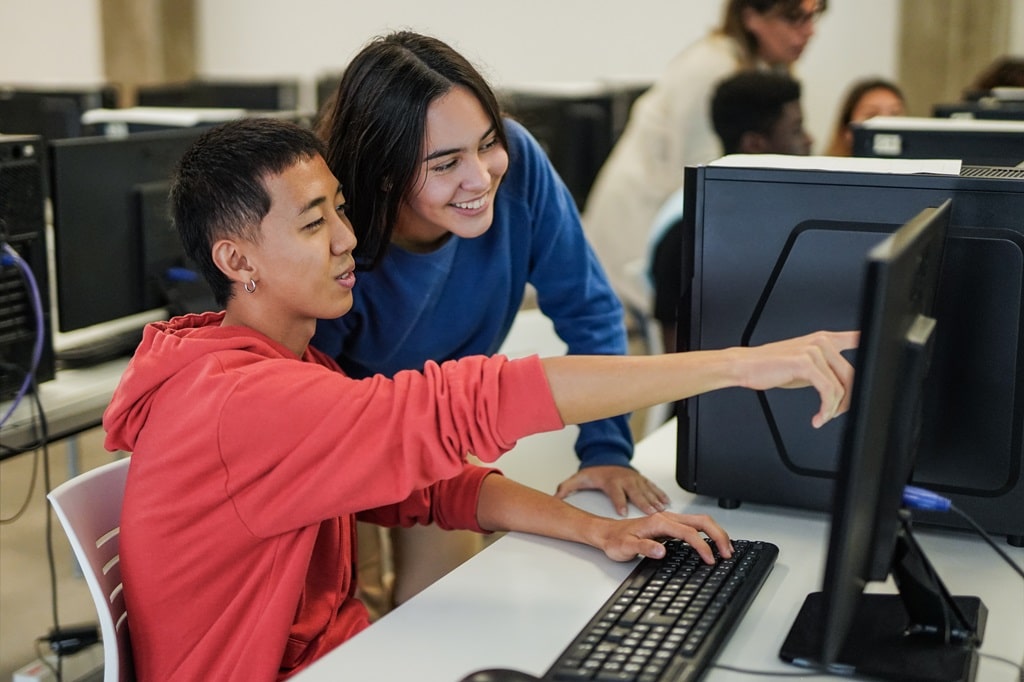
pixel 55 42
pixel 531 41
pixel 527 41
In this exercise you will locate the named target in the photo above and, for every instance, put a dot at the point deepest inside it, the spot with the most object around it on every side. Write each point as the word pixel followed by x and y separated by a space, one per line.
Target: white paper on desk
pixel 171 116
pixel 842 163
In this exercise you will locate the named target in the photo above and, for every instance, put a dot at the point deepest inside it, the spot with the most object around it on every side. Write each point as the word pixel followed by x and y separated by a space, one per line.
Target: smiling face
pixel 463 164
pixel 302 262
pixel 781 37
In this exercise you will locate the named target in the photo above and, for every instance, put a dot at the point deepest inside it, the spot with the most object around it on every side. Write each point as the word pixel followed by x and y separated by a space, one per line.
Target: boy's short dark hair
pixel 750 101
pixel 218 186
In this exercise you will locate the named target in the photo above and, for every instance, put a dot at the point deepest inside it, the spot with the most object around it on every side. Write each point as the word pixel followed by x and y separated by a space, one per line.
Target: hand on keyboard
pixel 624 539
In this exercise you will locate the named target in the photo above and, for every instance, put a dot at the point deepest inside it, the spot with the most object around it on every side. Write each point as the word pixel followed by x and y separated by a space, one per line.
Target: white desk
pixel 73 401
pixel 521 601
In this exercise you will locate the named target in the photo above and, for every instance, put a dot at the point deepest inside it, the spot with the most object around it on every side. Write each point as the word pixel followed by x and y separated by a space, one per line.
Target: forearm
pixel 506 505
pixel 586 388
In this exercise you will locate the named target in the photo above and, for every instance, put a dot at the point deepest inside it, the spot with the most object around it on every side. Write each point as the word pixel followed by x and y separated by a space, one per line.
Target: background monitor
pixel 253 95
pixel 778 252
pixel 975 142
pixel 53 113
pixel 922 633
pixel 983 109
pixel 113 241
pixel 576 123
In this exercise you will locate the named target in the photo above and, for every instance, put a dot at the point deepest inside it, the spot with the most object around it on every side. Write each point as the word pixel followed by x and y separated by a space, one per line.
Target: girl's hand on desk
pixel 622 485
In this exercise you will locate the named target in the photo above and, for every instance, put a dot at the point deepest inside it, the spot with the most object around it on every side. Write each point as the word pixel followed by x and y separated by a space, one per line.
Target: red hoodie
pixel 249 469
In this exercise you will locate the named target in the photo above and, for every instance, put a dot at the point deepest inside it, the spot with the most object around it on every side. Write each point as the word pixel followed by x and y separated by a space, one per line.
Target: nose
pixel 478 174
pixel 343 236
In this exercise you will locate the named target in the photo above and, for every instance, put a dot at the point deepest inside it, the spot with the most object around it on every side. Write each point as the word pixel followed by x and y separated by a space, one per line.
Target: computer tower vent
pixel 22 228
pixel 1010 172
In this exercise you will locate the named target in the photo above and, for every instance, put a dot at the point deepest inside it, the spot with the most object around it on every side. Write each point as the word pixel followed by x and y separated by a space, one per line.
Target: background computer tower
pixel 23 228
pixel 776 253
pixel 576 127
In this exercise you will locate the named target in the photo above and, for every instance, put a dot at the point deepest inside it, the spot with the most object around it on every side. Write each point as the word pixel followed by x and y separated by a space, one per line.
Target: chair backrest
pixel 89 508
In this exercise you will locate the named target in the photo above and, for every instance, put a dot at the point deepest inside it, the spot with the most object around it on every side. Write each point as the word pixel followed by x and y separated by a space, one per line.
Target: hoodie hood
pixel 167 350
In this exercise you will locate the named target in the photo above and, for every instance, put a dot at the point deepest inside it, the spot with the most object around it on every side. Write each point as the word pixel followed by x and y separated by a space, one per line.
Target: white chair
pixel 89 508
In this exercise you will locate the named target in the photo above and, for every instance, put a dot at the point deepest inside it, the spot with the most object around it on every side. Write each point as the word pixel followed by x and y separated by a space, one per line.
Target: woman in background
pixel 865 99
pixel 669 126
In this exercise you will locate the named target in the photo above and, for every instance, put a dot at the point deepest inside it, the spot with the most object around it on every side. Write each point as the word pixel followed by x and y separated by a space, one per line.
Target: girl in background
pixel 865 99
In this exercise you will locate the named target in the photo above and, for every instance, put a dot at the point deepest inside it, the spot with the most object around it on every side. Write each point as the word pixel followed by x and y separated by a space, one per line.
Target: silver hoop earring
pixel 250 287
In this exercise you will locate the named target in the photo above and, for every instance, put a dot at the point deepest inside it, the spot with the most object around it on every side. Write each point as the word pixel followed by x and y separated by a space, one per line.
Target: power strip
pixel 75 668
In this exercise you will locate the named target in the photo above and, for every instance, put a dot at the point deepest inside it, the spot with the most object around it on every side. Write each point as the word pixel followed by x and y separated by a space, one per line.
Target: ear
pixel 753 143
pixel 230 258
pixel 751 19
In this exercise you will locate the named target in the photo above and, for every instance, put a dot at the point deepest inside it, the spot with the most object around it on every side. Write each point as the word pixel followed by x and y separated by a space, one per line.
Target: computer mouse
pixel 499 675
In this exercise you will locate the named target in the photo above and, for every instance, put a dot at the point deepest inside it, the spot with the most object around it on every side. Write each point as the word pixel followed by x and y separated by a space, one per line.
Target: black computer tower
pixel 776 253
pixel 23 230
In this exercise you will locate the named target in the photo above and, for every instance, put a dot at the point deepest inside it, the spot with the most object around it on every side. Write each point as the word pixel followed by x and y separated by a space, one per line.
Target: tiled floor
pixel 26 605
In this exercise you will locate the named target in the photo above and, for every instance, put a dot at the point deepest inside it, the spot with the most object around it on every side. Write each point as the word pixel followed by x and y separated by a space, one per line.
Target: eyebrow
pixel 445 152
pixel 317 202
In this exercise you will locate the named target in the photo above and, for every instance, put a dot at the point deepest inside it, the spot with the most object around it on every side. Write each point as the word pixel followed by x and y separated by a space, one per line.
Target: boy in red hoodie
pixel 254 455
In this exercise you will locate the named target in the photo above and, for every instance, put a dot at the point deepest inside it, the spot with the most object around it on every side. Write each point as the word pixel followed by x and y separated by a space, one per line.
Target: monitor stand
pixel 922 634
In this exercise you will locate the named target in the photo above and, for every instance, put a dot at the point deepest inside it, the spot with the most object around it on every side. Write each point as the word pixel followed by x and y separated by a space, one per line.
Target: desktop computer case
pixel 776 253
pixel 23 228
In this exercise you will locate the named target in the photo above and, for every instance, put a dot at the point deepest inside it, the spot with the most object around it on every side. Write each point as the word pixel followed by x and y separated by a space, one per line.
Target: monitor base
pixel 878 647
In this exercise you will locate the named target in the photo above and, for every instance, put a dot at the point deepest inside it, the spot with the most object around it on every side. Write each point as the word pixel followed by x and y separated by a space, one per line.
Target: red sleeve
pixel 450 504
pixel 301 442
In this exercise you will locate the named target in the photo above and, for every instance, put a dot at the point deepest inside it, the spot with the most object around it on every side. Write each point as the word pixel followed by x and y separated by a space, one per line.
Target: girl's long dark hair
pixel 376 127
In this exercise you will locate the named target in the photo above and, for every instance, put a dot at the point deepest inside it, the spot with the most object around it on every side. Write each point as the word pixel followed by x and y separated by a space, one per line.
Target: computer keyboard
pixel 668 618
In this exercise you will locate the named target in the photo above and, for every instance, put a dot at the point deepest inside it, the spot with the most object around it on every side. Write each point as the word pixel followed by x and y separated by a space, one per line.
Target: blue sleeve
pixel 572 288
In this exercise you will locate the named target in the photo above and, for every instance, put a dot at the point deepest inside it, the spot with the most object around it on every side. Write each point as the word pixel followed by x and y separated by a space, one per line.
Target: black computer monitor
pixel 574 124
pixel 975 142
pixel 921 633
pixel 253 95
pixel 114 247
pixel 52 113
pixel 983 109
pixel 778 252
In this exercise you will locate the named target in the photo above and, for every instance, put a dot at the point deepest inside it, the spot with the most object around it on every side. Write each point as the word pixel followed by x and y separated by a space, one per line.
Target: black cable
pixel 988 538
pixel 770 673
pixel 28 493
pixel 1001 659
pixel 37 442
pixel 49 527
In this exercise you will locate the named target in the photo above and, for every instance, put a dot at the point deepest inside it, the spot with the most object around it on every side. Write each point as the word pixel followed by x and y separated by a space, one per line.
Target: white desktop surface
pixel 74 400
pixel 520 602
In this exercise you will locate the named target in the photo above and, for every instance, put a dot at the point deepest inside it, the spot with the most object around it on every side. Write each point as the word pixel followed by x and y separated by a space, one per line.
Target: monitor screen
pixel 113 241
pixel 975 142
pixel 254 95
pixel 922 631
